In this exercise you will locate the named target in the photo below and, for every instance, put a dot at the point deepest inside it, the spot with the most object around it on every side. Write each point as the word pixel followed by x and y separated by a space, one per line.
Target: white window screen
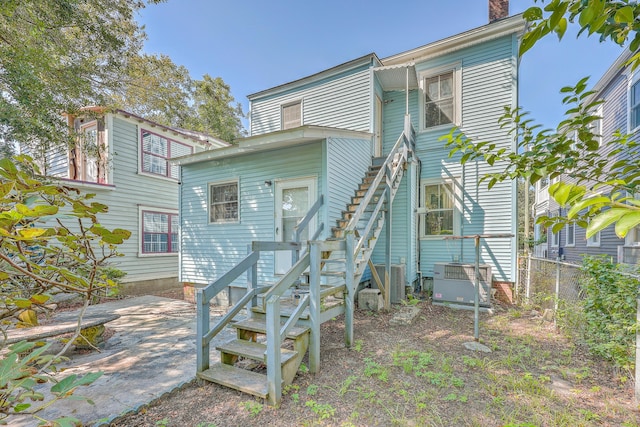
pixel 439 100
pixel 223 202
pixel 156 152
pixel 292 115
pixel 160 232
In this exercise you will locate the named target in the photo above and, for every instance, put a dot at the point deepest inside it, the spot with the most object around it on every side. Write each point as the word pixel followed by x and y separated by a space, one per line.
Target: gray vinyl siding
pixel 615 117
pixel 210 250
pixel 347 162
pixel 488 84
pixel 342 101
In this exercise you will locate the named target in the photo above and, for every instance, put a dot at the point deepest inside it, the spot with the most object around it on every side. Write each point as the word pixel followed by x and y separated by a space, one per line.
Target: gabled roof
pixel 615 68
pixel 512 25
pixel 199 137
pixel 371 59
pixel 272 141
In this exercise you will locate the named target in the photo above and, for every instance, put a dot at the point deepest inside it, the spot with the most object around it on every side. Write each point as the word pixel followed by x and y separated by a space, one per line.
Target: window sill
pixel 86 184
pixel 593 245
pixel 164 178
pixel 439 128
pixel 224 222
pixel 159 254
pixel 439 237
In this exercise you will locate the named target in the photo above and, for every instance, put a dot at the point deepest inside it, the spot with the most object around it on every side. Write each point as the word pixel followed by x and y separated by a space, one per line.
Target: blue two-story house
pixel 345 170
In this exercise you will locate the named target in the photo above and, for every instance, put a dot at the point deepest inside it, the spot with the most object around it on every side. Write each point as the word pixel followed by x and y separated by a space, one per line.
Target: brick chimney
pixel 498 9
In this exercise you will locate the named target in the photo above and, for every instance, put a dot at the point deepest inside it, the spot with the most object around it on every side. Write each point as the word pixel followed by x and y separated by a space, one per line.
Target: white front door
pixel 294 197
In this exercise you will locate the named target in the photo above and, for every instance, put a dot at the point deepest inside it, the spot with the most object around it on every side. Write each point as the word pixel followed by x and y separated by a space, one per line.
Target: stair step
pixel 238 379
pixel 259 326
pixel 253 350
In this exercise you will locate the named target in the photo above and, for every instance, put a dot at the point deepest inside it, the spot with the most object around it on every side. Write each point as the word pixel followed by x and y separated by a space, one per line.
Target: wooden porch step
pixel 254 325
pixel 253 350
pixel 238 379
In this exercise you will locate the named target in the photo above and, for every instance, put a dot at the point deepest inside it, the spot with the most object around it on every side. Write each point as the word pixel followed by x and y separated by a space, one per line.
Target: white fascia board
pixel 271 141
pixel 371 59
pixel 512 25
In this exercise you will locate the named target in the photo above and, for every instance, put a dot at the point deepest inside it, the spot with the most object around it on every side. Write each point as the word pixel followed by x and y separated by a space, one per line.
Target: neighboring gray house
pixel 619 88
pixel 124 160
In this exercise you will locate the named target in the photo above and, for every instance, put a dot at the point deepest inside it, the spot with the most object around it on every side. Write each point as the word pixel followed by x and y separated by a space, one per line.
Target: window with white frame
pixel 159 231
pixel 555 237
pixel 223 202
pixel 292 115
pixel 440 215
pixel 158 150
pixel 442 98
pixel 87 160
pixel 594 240
pixel 571 234
pixel 596 126
pixel 634 105
pixel 633 237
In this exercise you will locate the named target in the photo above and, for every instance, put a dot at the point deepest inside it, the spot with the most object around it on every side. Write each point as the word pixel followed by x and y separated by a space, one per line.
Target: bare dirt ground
pixel 421 375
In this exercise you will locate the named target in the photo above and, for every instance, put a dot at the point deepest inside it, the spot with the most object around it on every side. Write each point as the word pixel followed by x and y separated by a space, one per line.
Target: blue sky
pixel 254 45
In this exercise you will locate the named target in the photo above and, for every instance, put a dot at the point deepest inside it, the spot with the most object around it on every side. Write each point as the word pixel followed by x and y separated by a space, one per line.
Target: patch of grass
pixel 374 369
pixel 322 410
pixel 254 408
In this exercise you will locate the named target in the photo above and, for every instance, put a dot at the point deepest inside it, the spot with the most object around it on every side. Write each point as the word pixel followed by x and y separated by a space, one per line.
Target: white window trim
pixel 591 243
pixel 145 208
pixel 600 121
pixel 457 206
pixel 555 237
pixel 141 170
pixel 217 183
pixel 288 104
pixel 635 76
pixel 567 244
pixel 457 95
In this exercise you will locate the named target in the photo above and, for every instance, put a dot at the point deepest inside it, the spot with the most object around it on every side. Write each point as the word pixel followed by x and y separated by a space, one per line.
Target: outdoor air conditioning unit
pixel 455 284
pixel 398 280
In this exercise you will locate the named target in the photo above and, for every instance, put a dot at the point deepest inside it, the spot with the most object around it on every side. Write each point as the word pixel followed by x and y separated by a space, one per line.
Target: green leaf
pixel 31 233
pixel 21 407
pixel 604 219
pixel 627 222
pixel 22 302
pixel 624 15
pixel 67 422
pixel 585 203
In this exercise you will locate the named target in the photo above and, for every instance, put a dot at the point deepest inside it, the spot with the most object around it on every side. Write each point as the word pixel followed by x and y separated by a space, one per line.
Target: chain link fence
pixel 546 281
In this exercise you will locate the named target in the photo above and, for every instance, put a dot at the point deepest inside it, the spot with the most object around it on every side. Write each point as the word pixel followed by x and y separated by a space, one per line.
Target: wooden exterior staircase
pixel 276 325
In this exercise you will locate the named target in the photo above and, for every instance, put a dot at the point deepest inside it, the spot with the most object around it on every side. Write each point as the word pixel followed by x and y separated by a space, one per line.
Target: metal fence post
pixel 557 294
pixel 528 282
pixel 636 393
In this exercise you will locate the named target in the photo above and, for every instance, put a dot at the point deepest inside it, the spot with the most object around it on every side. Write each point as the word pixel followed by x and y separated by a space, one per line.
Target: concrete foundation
pixel 149 286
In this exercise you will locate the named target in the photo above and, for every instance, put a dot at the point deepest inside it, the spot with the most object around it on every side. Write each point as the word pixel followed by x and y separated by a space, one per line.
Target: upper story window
pixel 292 115
pixel 223 202
pixel 633 237
pixel 634 104
pixel 88 159
pixel 442 97
pixel 159 231
pixel 441 213
pixel 156 152
pixel 555 236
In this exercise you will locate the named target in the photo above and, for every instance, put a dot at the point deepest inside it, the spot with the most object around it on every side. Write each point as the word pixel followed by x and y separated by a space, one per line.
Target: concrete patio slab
pixel 152 352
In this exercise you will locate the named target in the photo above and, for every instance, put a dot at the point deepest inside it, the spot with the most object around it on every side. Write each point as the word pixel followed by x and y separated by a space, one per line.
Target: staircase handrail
pixel 368 196
pixel 362 237
pixel 294 317
pixel 289 278
pixel 214 288
pixel 304 221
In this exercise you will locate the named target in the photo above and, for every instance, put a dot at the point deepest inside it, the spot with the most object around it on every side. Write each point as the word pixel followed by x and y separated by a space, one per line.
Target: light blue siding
pixel 347 162
pixel 488 84
pixel 342 101
pixel 210 250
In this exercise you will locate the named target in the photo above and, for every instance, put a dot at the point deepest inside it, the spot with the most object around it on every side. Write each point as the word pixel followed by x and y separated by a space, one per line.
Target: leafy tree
pixel 216 111
pixel 604 188
pixel 37 260
pixel 58 56
pixel 158 89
